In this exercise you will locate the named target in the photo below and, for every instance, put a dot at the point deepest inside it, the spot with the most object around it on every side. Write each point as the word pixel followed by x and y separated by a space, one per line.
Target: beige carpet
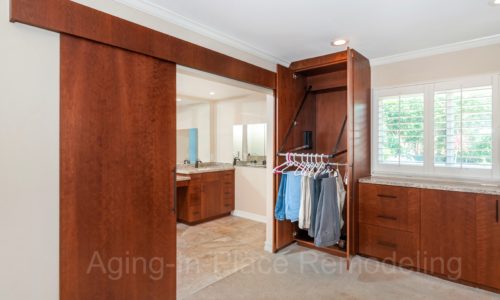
pixel 299 273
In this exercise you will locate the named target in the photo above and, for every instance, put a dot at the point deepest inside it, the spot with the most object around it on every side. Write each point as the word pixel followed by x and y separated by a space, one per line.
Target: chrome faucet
pixel 197 163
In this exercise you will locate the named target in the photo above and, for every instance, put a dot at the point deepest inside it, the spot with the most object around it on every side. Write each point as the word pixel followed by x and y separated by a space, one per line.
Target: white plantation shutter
pixel 463 136
pixel 401 129
pixel 445 129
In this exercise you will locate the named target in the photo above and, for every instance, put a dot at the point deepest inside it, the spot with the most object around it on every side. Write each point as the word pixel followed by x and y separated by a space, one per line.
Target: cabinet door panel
pixel 488 240
pixel 448 234
pixel 211 195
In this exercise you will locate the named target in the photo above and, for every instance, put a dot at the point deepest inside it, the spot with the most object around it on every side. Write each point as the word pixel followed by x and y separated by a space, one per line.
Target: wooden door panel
pixel 488 240
pixel 290 91
pixel 448 234
pixel 117 224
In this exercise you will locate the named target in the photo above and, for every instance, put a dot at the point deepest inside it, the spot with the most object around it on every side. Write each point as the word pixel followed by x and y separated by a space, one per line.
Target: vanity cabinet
pixel 488 240
pixel 452 234
pixel 208 196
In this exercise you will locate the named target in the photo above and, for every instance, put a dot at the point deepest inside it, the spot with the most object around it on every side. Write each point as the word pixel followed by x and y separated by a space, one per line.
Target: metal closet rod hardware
pixel 316 155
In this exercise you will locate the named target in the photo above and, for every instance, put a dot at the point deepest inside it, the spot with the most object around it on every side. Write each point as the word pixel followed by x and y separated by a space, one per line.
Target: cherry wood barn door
pixel 118 234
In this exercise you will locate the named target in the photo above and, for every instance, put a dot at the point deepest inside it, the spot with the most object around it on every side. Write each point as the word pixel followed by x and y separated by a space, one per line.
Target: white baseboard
pixel 268 247
pixel 250 216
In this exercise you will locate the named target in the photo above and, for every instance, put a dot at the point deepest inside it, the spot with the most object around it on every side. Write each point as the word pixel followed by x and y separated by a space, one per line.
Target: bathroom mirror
pixel 187 145
pixel 249 143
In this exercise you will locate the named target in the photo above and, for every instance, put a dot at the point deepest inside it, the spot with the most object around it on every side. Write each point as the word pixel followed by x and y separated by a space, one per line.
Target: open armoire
pixel 323 106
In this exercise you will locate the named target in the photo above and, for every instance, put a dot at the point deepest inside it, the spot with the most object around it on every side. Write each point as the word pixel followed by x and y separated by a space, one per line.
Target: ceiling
pixel 292 30
pixel 194 87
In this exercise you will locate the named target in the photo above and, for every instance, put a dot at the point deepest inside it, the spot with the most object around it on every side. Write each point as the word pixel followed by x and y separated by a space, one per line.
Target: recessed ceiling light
pixel 339 42
pixel 494 2
pixel 211 93
pixel 179 99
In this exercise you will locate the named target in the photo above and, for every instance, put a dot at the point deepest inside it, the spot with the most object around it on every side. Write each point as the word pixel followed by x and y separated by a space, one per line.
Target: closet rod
pixel 294 121
pixel 319 156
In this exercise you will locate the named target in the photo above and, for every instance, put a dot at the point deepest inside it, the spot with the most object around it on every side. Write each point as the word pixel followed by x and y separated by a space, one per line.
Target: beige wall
pixel 29 161
pixel 468 62
pixel 250 192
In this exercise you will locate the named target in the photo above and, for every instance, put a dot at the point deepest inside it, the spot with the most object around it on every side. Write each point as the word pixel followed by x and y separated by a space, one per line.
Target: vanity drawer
pixel 389 206
pixel 194 213
pixel 195 199
pixel 388 244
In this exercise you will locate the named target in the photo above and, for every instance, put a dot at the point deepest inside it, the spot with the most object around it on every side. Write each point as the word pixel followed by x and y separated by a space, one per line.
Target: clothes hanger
pixel 300 166
pixel 278 170
pixel 290 162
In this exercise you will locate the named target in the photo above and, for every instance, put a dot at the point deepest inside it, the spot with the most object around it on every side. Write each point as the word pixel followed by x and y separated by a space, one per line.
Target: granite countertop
pixel 211 167
pixel 183 178
pixel 455 186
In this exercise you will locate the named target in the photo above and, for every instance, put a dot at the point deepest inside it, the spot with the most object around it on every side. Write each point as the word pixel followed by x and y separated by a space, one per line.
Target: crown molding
pixel 191 25
pixel 475 43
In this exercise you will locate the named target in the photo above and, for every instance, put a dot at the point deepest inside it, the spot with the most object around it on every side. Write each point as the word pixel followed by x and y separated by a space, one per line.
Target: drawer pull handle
pixel 387 244
pixel 196 212
pixel 386 196
pixel 387 217
pixel 227 205
pixel 497 210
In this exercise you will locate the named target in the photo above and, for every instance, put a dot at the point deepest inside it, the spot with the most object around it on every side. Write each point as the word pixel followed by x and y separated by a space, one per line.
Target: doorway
pixel 225 154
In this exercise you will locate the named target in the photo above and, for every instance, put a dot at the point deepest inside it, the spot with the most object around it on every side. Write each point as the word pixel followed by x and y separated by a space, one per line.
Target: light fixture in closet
pixel 211 93
pixel 179 99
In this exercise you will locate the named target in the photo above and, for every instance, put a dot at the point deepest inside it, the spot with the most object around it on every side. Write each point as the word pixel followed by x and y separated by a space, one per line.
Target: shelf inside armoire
pixel 308 242
pixel 322 69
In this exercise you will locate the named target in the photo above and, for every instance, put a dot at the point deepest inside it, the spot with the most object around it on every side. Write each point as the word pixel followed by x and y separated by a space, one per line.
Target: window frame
pixel 428 169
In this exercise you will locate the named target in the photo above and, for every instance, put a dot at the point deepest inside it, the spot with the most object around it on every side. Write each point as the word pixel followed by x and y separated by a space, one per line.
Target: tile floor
pixel 224 259
pixel 209 252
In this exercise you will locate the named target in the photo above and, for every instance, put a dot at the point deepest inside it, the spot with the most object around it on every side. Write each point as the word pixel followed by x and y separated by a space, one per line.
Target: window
pixel 438 129
pixel 401 129
pixel 463 127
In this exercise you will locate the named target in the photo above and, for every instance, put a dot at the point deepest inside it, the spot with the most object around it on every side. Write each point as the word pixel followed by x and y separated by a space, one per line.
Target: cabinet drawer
pixel 389 206
pixel 195 200
pixel 388 244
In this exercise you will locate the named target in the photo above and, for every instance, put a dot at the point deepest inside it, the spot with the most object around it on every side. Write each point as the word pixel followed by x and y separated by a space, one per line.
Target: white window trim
pixel 428 170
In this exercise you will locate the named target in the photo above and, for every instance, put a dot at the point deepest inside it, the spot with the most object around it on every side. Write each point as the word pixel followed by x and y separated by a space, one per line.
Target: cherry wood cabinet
pixel 336 111
pixel 448 234
pixel 488 240
pixel 452 234
pixel 208 196
pixel 389 223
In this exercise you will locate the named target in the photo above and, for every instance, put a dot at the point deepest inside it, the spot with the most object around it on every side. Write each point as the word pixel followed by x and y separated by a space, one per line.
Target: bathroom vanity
pixel 208 193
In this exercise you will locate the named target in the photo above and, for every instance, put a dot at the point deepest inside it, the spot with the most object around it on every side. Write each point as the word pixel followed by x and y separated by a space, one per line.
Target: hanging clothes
pixel 305 203
pixel 315 193
pixel 341 193
pixel 292 196
pixel 279 210
pixel 327 227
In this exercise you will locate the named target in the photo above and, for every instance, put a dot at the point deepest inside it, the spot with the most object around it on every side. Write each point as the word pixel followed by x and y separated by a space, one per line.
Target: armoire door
pixel 290 90
pixel 117 155
pixel 488 240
